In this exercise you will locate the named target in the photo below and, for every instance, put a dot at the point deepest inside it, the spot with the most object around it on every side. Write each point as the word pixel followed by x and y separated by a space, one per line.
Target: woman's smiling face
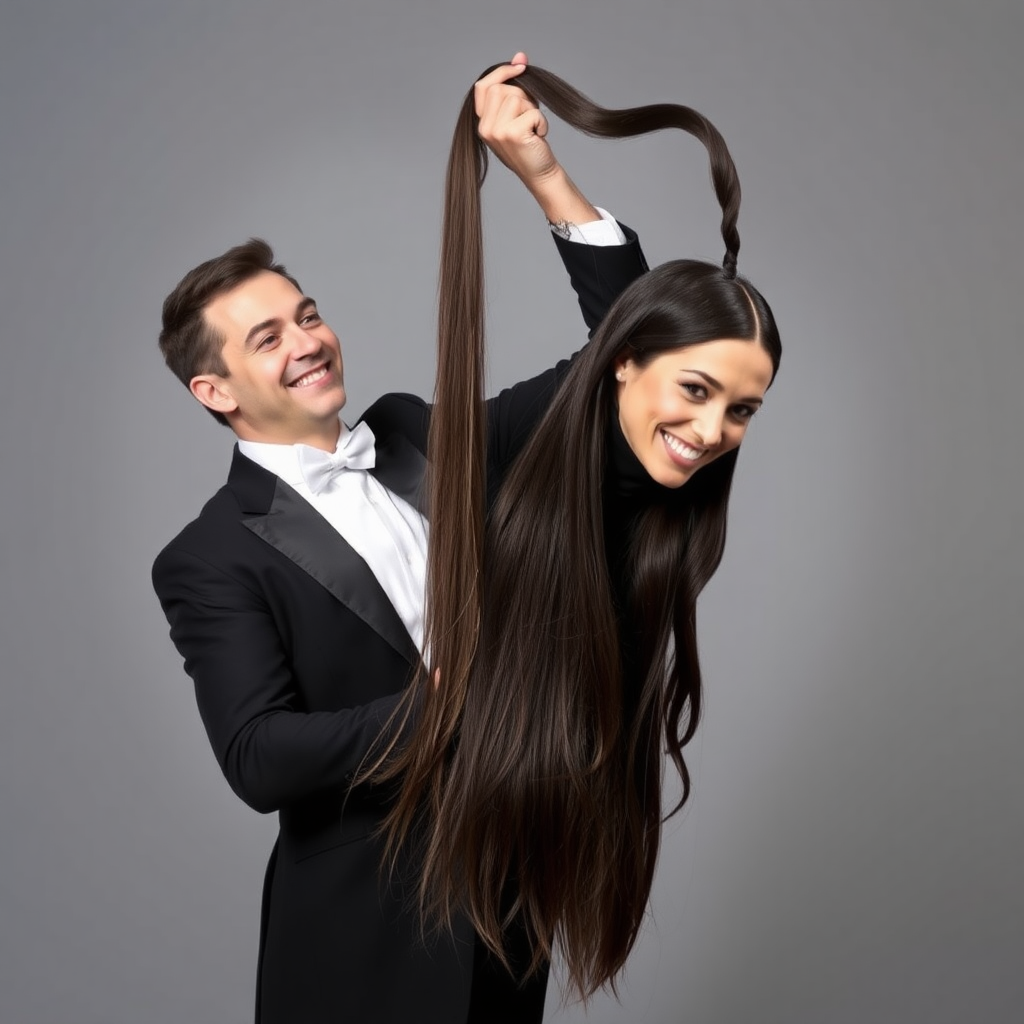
pixel 687 407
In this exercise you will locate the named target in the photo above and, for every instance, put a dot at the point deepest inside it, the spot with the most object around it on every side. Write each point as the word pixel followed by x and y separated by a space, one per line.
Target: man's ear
pixel 212 391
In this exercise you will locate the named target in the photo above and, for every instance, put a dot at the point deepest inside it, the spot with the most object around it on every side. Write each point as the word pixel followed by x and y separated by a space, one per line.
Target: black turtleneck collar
pixel 627 479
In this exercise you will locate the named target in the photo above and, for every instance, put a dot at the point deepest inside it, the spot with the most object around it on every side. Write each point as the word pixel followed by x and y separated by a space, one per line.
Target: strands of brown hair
pixel 530 777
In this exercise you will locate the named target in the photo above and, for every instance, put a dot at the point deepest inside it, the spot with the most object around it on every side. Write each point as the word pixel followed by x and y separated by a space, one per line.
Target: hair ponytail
pixel 577 110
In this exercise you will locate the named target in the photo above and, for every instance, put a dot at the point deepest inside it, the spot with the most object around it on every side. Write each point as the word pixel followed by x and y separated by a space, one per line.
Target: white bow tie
pixel 355 451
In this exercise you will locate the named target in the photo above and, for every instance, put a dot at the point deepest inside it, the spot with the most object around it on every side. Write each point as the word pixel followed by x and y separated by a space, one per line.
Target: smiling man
pixel 282 379
pixel 296 597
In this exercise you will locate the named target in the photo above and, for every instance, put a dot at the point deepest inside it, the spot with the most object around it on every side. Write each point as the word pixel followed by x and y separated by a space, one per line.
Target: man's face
pixel 284 383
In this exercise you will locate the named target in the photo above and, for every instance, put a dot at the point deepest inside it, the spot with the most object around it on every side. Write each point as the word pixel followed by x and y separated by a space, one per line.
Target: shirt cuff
pixel 605 231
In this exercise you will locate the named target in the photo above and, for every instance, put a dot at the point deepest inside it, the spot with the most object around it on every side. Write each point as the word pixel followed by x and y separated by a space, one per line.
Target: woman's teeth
pixel 680 448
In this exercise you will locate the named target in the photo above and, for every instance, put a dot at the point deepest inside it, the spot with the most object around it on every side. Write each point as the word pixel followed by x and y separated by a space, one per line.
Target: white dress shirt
pixel 384 529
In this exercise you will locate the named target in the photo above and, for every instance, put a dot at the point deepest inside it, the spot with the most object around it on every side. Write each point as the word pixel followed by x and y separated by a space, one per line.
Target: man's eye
pixel 311 318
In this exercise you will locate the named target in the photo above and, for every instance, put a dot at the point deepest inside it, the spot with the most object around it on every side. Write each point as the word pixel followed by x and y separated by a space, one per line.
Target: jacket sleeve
pixel 271 752
pixel 598 274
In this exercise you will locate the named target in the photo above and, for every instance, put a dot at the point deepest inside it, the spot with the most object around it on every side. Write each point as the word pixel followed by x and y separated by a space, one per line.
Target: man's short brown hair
pixel 190 346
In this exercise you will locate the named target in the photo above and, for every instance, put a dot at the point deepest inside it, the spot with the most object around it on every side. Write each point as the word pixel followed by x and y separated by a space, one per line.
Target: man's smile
pixel 311 376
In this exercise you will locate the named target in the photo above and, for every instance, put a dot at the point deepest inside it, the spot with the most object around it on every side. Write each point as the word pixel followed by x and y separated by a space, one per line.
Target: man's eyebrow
pixel 304 303
pixel 259 329
pixel 752 400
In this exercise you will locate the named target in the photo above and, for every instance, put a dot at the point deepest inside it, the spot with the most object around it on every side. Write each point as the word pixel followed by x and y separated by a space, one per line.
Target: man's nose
pixel 303 342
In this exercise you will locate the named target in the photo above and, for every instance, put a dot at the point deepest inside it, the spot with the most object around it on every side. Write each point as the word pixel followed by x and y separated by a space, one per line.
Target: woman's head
pixel 692 351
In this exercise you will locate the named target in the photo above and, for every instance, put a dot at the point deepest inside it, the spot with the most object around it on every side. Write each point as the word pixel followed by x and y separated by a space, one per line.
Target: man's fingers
pixel 530 122
pixel 502 73
pixel 512 125
pixel 511 105
pixel 501 105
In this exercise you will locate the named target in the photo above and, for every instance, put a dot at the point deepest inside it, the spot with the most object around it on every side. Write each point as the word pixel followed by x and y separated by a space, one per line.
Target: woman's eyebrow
pixel 752 400
pixel 707 376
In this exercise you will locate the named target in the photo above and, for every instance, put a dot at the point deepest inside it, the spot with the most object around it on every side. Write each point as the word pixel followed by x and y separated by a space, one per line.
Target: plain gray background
pixel 853 849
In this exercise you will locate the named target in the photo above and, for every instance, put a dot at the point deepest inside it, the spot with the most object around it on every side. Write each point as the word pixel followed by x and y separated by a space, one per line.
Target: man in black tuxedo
pixel 296 598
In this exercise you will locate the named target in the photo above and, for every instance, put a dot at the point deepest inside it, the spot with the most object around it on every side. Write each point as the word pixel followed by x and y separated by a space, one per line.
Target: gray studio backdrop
pixel 853 849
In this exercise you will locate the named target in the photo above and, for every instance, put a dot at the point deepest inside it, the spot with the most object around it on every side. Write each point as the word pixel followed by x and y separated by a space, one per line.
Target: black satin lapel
pixel 298 531
pixel 253 485
pixel 401 468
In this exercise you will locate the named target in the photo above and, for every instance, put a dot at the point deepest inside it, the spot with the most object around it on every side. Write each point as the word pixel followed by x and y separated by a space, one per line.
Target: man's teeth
pixel 309 378
pixel 683 449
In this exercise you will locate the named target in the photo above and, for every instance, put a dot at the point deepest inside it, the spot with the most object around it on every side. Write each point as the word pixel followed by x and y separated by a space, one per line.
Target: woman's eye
pixel 695 390
pixel 743 412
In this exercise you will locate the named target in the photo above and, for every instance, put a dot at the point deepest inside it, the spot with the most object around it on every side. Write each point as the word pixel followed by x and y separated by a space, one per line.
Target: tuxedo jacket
pixel 298 658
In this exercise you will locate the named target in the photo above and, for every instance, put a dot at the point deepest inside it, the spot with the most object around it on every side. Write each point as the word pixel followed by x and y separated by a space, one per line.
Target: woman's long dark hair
pixel 532 774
